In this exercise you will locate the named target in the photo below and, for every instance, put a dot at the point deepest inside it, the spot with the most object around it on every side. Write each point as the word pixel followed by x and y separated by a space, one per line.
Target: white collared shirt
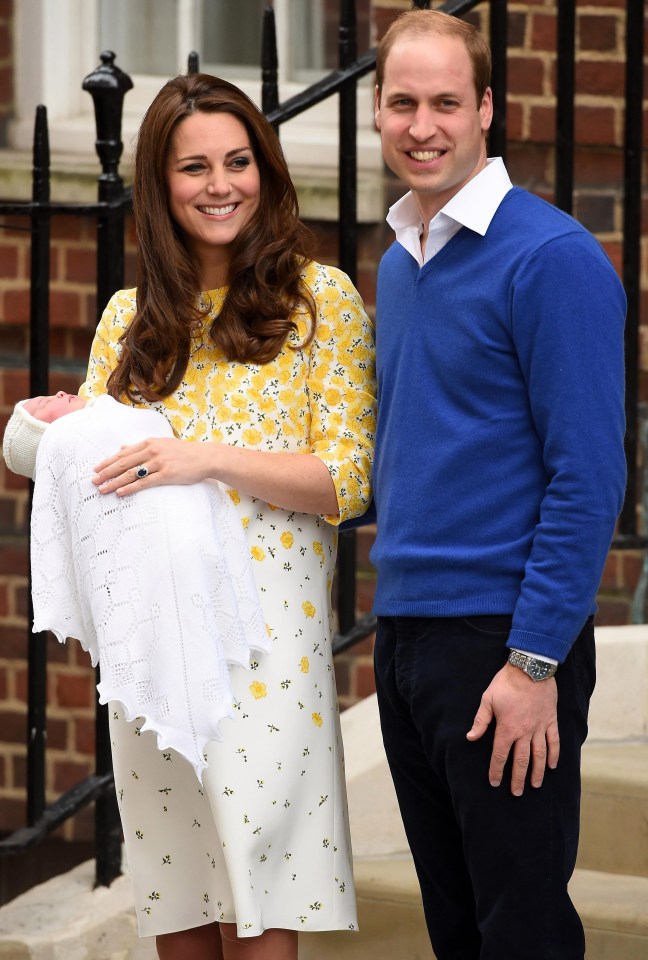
pixel 474 206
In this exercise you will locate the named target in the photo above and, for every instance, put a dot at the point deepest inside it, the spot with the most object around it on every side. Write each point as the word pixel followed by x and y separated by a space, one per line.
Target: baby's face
pixel 51 408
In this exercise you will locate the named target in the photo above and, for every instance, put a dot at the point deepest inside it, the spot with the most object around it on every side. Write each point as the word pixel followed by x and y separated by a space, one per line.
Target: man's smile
pixel 426 155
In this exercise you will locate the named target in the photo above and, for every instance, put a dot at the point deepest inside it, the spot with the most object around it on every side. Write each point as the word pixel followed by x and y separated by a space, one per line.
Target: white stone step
pixel 614 910
pixel 614 809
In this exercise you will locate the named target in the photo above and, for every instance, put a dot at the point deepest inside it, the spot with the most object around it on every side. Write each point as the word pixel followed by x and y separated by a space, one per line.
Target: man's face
pixel 49 409
pixel 433 131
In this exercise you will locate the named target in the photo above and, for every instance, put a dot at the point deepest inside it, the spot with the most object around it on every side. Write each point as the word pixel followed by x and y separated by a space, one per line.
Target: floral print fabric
pixel 265 842
pixel 317 400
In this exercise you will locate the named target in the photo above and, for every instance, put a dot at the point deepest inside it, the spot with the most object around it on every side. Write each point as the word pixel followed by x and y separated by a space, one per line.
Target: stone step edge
pixel 611 902
pixel 605 901
pixel 616 768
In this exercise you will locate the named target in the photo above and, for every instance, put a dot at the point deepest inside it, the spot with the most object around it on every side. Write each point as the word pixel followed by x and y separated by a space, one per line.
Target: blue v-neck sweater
pixel 499 468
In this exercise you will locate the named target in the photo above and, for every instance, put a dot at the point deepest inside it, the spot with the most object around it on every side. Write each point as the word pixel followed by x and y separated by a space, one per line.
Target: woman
pixel 265 358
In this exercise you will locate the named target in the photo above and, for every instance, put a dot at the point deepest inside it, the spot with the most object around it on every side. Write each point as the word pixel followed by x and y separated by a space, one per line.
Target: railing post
pixel 348 259
pixel 347 148
pixel 269 65
pixel 566 51
pixel 40 258
pixel 633 139
pixel 499 48
pixel 108 85
pixel 38 385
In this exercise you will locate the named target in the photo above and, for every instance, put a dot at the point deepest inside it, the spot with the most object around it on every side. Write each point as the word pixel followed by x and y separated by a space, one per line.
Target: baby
pixel 27 424
pixel 158 587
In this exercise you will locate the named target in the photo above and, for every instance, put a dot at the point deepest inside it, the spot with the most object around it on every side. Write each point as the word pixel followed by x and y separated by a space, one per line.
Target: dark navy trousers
pixel 493 868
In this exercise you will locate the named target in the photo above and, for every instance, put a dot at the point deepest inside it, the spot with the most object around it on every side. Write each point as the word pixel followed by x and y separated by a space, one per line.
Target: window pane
pixel 308 46
pixel 231 36
pixel 314 36
pixel 142 33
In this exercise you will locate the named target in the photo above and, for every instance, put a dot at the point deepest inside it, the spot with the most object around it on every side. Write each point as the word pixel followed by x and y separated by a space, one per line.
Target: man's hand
pixel 526 720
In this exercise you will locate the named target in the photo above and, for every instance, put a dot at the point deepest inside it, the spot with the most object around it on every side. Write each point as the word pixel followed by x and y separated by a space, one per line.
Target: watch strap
pixel 535 668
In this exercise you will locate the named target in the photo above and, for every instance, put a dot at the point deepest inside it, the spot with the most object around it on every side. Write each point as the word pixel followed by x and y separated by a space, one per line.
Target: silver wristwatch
pixel 534 668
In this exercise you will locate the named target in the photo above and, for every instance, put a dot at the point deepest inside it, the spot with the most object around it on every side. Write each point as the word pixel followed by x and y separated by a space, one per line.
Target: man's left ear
pixel 377 107
pixel 486 109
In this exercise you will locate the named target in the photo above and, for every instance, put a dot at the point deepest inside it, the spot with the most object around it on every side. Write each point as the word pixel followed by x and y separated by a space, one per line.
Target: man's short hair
pixel 416 24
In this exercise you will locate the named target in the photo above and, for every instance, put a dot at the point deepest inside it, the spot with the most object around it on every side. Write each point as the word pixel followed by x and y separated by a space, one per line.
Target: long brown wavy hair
pixel 267 258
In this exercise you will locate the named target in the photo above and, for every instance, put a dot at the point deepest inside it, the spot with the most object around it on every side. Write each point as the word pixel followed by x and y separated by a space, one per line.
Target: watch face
pixel 538 669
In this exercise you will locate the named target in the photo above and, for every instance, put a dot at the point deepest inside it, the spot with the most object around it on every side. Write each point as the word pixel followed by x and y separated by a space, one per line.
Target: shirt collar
pixel 474 206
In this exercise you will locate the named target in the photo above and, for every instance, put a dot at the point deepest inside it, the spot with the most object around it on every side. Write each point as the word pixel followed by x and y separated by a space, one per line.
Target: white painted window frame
pixel 56 46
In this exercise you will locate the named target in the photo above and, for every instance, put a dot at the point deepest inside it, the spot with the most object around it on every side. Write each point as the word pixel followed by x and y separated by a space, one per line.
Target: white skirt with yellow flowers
pixel 264 841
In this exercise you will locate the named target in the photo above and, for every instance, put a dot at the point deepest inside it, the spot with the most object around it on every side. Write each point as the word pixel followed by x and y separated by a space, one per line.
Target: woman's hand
pixel 152 463
pixel 292 481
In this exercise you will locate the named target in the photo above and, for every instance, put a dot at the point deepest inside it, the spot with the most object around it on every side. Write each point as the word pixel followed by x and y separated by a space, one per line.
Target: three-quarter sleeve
pixel 342 391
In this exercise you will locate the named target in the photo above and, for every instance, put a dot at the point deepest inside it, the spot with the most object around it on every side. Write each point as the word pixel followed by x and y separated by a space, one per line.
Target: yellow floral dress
pixel 264 841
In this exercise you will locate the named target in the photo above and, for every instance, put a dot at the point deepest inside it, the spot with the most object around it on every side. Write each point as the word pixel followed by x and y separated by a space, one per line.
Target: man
pixel 499 474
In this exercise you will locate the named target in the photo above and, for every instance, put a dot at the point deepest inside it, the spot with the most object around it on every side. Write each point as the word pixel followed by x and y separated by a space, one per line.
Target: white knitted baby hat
pixel 21 439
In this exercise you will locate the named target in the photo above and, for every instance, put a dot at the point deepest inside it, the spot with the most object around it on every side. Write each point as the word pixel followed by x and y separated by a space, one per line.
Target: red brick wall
pixel 599 128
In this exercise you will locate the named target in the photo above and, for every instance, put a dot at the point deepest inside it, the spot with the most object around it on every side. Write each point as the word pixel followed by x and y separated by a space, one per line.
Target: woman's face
pixel 214 187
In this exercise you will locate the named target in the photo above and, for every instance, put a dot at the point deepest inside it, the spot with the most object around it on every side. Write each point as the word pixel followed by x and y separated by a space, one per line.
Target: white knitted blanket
pixel 157 586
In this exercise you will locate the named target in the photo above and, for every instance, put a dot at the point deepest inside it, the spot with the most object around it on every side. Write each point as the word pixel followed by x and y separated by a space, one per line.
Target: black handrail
pixel 57 813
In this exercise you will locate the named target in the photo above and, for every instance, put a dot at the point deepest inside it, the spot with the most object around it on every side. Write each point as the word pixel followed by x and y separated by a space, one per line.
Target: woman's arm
pixel 292 481
pixel 342 390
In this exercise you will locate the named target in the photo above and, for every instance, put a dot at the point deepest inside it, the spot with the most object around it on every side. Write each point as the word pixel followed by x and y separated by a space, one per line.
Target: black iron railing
pixel 107 85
